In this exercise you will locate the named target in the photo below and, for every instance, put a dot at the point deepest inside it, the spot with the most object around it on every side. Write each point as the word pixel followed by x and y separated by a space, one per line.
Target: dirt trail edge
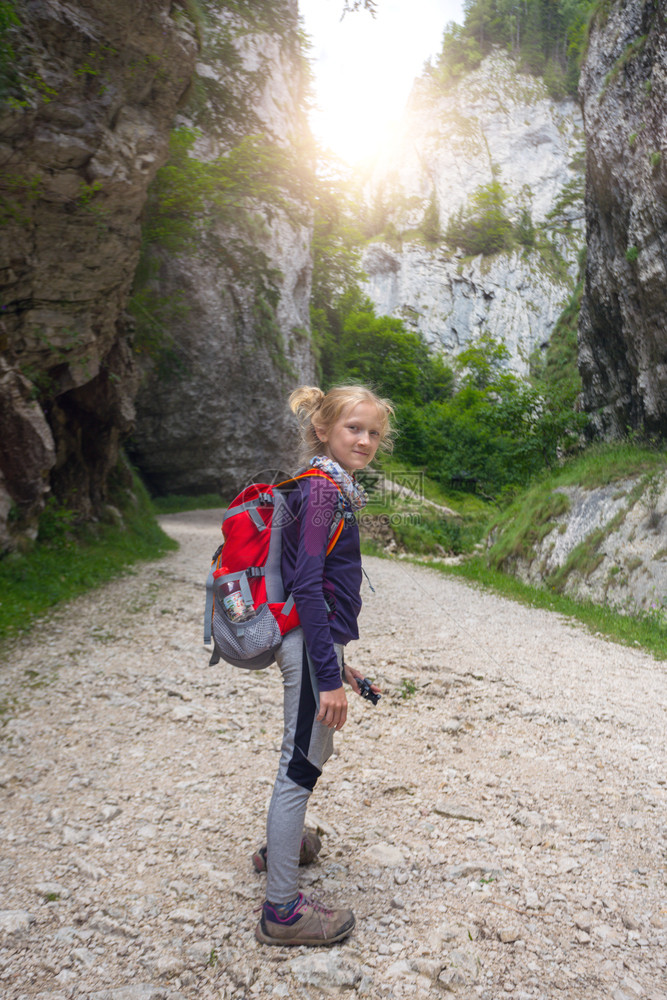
pixel 497 823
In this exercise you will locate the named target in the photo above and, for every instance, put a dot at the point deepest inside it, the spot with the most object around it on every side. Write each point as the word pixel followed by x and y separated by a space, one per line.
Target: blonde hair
pixel 314 408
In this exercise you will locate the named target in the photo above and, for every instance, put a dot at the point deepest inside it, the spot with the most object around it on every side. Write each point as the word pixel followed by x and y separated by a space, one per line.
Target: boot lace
pixel 318 907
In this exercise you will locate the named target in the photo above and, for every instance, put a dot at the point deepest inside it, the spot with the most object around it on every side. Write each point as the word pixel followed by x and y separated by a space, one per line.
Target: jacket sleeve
pixel 320 502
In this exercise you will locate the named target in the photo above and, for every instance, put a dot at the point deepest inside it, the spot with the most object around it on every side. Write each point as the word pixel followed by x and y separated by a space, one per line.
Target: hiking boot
pixel 310 923
pixel 310 848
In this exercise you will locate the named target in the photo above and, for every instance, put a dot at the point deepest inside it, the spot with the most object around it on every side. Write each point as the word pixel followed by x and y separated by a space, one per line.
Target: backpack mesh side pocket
pixel 250 644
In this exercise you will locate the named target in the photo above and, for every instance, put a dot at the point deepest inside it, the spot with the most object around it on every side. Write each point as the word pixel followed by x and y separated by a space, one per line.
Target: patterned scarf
pixel 354 494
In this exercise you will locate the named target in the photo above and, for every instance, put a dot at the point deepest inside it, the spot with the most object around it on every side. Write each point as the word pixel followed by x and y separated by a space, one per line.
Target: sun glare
pixel 364 67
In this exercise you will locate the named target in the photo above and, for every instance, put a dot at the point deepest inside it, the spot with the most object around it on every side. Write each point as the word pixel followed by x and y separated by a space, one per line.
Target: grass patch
pixel 369 547
pixel 415 523
pixel 526 523
pixel 427 535
pixel 69 559
pixel 601 464
pixel 177 503
pixel 584 559
pixel 631 50
pixel 629 630
pixel 423 530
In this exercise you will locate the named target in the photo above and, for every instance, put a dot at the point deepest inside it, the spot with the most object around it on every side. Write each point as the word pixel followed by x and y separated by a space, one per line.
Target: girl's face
pixel 354 438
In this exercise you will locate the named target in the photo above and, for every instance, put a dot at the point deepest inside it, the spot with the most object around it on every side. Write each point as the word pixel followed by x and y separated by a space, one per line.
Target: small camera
pixel 366 692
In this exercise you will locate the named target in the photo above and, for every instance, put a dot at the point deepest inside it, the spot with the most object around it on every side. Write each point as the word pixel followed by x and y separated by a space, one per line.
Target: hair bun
pixel 306 400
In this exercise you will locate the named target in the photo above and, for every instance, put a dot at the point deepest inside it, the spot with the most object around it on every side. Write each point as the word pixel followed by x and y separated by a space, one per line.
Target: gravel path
pixel 497 822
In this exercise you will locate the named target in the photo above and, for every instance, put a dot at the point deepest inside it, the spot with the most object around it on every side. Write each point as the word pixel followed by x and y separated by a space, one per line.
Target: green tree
pixel 525 230
pixel 496 428
pixel 482 227
pixel 431 221
pixel 335 290
pixel 546 36
pixel 460 53
pixel 483 363
pixel 379 350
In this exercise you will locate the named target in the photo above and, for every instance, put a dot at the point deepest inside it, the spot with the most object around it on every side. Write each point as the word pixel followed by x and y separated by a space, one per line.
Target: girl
pixel 342 431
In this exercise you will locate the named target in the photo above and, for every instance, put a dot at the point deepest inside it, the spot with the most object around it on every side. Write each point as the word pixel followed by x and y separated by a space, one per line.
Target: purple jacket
pixel 326 589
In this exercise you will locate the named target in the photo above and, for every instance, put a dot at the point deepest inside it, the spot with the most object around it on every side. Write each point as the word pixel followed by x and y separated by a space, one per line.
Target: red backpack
pixel 249 559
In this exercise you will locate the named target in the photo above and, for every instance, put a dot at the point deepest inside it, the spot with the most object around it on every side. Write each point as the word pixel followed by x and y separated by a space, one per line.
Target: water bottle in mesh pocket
pixel 250 644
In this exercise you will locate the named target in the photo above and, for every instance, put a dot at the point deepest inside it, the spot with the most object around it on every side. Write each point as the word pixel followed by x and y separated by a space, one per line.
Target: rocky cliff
pixel 607 545
pixel 90 90
pixel 623 325
pixel 496 134
pixel 214 416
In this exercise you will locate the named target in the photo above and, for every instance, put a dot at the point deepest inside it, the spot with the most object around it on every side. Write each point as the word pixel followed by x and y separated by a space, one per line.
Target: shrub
pixel 482 227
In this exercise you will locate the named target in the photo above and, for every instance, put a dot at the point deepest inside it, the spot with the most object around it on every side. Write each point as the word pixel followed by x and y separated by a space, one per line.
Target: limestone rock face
pixel 494 125
pixel 623 326
pixel 622 524
pixel 83 128
pixel 451 299
pixel 219 419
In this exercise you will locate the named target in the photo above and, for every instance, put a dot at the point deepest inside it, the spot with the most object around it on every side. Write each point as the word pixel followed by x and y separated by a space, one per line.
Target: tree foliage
pixel 472 418
pixel 482 225
pixel 336 247
pixel 380 351
pixel 430 226
pixel 546 36
pixel 496 429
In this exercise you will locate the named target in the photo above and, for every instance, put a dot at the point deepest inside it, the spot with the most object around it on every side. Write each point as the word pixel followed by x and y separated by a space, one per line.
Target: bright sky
pixel 364 66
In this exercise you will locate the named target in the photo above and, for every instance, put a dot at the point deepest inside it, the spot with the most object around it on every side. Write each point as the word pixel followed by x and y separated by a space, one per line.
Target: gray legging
pixel 307 745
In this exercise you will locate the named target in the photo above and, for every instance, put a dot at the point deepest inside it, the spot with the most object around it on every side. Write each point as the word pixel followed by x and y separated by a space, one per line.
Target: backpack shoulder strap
pixel 338 522
pixel 336 528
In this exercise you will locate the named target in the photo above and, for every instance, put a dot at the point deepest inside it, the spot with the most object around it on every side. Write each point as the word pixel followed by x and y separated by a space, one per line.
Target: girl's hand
pixel 333 708
pixel 351 676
